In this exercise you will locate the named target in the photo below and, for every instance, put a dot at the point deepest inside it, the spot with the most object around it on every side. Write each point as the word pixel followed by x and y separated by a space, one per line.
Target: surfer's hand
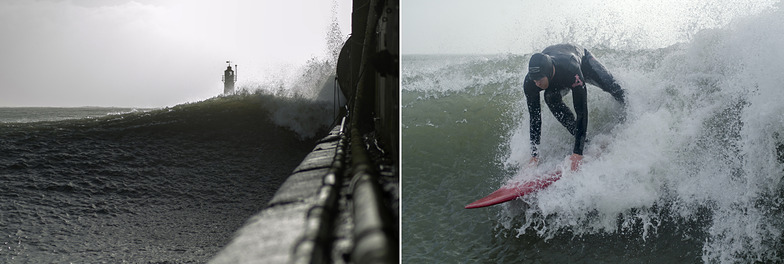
pixel 533 162
pixel 577 160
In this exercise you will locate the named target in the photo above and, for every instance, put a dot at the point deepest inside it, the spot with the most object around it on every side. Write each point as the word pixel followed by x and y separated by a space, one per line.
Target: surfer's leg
pixel 554 101
pixel 595 73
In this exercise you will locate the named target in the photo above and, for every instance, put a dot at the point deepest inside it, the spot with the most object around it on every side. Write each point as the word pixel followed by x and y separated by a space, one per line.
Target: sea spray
pixel 303 99
pixel 306 118
pixel 623 25
pixel 313 79
pixel 699 143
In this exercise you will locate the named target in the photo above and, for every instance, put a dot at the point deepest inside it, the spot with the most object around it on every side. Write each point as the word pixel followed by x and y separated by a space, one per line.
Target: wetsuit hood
pixel 540 65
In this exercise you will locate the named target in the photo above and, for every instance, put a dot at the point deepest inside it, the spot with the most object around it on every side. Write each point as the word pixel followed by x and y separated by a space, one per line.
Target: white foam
pixel 701 134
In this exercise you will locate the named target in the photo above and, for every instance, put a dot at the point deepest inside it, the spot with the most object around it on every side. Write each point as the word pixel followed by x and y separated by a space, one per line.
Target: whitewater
pixel 693 175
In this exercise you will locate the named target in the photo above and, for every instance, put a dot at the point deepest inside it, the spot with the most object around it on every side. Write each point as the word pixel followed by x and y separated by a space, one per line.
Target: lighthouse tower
pixel 229 78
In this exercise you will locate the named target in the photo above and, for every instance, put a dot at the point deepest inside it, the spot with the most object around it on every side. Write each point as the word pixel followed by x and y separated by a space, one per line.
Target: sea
pixel 165 185
pixel 693 174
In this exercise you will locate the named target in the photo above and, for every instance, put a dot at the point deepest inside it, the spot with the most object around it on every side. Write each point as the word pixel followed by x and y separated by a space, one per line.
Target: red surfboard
pixel 510 191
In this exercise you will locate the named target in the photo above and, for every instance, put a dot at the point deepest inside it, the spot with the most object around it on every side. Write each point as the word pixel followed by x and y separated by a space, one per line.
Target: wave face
pixel 693 175
pixel 149 186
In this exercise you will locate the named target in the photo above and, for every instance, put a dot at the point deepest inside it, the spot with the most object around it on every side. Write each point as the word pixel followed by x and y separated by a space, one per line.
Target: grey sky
pixel 525 26
pixel 148 53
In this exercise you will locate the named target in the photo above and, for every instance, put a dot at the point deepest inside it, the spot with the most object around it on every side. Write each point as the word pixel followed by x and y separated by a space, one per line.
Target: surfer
pixel 557 70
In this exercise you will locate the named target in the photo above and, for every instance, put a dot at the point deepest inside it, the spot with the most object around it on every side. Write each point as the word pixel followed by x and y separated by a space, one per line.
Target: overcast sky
pixel 147 53
pixel 525 26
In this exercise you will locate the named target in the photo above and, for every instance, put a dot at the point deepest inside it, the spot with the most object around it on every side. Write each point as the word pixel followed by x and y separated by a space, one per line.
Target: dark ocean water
pixel 151 186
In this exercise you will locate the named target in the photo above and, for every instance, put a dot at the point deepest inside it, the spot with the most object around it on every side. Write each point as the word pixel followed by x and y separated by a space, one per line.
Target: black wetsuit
pixel 573 68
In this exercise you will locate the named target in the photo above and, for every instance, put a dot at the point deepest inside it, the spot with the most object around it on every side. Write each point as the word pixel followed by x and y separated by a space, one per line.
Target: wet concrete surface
pixel 311 218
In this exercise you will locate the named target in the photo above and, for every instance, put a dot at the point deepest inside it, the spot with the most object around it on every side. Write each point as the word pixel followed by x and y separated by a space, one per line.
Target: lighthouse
pixel 229 78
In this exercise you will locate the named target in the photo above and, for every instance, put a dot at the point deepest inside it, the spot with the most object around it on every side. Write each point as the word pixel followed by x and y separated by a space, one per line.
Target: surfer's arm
pixel 535 114
pixel 580 99
pixel 579 96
